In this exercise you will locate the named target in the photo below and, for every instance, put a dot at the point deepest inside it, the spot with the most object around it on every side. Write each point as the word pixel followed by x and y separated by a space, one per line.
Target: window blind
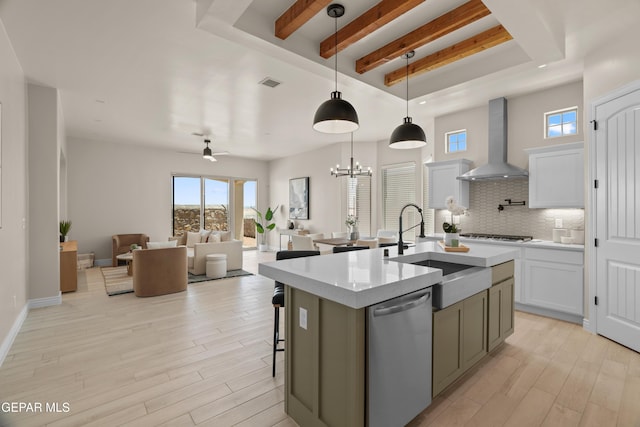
pixel 358 191
pixel 429 214
pixel 398 189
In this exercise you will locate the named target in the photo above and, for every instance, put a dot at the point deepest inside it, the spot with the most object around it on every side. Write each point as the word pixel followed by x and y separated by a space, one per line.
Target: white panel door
pixel 617 142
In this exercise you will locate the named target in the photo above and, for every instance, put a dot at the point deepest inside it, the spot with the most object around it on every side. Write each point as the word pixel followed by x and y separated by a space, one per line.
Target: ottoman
pixel 216 266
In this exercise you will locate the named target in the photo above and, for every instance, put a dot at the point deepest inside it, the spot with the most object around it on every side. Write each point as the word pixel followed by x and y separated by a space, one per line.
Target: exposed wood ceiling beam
pixel 482 41
pixel 441 26
pixel 365 24
pixel 297 15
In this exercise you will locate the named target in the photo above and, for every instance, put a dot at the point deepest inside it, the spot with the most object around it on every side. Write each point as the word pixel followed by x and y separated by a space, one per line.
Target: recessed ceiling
pixel 164 69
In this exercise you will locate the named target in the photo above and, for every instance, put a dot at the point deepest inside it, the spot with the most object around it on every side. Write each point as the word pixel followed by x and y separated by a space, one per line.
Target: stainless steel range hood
pixel 497 168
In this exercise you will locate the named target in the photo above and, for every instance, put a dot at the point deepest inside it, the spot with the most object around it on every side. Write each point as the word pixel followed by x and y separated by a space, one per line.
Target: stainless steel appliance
pixel 399 361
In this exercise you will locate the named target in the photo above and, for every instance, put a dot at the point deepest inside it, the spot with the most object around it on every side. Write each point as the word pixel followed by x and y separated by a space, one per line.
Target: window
pixel 561 122
pixel 215 204
pixel 398 189
pixel 456 141
pixel 358 191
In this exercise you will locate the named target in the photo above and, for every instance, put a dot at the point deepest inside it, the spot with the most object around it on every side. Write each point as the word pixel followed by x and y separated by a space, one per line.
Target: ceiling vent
pixel 268 81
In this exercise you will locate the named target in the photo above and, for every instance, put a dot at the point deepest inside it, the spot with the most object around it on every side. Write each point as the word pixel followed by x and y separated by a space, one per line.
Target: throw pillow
pixel 225 236
pixel 192 239
pixel 158 245
pixel 204 234
pixel 213 238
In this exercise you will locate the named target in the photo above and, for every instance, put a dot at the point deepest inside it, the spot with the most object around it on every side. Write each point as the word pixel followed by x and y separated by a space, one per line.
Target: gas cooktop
pixel 504 237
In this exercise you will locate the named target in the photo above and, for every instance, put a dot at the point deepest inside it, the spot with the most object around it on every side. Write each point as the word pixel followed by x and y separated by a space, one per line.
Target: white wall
pixel 525 125
pixel 13 205
pixel 44 177
pixel 118 189
pixel 325 195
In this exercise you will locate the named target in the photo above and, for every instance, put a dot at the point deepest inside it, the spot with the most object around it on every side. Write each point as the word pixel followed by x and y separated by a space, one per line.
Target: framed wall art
pixel 299 198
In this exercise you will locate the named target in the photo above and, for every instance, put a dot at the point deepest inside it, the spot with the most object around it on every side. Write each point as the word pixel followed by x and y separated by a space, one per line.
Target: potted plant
pixel 352 224
pixel 65 226
pixel 264 225
pixel 451 231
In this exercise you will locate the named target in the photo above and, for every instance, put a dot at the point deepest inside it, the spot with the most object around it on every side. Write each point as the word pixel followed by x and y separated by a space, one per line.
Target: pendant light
pixel 408 135
pixel 352 170
pixel 336 115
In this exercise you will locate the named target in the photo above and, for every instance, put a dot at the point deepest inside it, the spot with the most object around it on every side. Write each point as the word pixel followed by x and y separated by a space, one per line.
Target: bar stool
pixel 278 300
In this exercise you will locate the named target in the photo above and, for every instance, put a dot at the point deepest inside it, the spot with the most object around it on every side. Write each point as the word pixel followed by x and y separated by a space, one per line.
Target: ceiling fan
pixel 209 155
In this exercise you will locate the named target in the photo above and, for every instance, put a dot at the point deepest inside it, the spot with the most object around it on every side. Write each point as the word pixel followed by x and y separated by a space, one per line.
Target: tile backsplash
pixel 483 215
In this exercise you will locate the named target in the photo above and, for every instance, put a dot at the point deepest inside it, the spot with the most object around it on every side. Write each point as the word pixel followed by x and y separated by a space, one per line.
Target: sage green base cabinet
pixel 464 332
pixel 459 339
pixel 500 322
pixel 324 362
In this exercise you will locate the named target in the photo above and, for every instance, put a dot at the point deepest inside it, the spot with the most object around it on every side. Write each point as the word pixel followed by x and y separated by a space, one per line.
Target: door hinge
pixel 595 183
pixel 596 242
pixel 595 124
pixel 596 300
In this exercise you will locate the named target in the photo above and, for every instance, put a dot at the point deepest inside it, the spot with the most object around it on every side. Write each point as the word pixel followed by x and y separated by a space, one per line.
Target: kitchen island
pixel 326 324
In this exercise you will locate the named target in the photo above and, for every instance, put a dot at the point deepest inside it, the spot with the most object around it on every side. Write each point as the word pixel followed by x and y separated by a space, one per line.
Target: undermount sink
pixel 459 281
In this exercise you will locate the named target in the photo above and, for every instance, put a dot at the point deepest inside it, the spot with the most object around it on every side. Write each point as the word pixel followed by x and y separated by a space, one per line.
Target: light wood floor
pixel 203 357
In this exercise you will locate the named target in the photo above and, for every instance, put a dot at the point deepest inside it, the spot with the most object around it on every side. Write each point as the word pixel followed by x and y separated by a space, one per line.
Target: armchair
pixel 159 271
pixel 121 244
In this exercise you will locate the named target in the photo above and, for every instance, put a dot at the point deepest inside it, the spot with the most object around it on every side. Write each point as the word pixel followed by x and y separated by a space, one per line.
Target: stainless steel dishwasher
pixel 399 359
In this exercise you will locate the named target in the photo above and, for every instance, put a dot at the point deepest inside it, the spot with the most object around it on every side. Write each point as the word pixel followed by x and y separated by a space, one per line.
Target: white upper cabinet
pixel 556 176
pixel 443 183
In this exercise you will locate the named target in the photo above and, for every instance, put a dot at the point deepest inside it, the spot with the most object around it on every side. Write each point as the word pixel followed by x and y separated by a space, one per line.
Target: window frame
pixel 447 147
pixel 561 111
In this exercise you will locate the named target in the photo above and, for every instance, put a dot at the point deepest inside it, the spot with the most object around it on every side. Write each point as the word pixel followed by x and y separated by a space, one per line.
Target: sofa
pixel 197 251
pixel 159 271
pixel 121 244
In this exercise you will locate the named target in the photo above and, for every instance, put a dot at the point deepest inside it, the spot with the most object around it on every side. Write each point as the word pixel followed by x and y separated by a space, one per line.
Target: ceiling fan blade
pixel 221 153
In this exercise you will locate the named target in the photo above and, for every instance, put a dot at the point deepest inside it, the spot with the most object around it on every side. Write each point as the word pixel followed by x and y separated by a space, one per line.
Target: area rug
pixel 231 273
pixel 116 280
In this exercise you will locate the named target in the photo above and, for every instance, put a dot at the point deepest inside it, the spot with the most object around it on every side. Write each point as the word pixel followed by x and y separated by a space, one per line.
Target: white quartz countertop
pixel 535 243
pixel 362 278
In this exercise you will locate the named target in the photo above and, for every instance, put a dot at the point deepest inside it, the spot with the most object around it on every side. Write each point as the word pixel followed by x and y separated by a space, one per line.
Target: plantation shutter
pixel 398 189
pixel 429 214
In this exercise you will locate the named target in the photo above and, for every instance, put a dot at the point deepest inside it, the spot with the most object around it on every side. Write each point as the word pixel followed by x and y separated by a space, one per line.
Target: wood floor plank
pixel 560 416
pixel 597 416
pixel 532 409
pixel 628 413
pixel 577 388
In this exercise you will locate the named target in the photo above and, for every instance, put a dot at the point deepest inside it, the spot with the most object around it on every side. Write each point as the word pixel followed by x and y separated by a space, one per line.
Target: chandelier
pixel 353 170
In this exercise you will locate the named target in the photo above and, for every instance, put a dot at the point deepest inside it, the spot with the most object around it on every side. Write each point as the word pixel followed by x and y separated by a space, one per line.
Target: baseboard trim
pixel 567 317
pixel 105 262
pixel 13 333
pixel 45 302
pixel 587 326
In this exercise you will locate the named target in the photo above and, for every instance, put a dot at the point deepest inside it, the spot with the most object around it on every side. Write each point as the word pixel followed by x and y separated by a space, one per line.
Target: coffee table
pixel 128 257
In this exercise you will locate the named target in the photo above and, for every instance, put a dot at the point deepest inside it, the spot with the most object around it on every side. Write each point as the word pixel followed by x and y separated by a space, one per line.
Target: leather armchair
pixel 159 271
pixel 121 244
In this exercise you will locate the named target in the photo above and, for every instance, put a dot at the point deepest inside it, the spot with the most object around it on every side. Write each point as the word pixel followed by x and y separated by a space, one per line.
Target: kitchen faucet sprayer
pixel 400 242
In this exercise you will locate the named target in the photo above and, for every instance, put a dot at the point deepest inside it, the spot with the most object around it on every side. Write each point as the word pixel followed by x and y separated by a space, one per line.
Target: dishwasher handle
pixel 404 306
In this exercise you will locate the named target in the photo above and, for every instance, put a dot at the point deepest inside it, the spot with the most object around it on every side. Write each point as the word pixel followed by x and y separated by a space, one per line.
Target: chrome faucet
pixel 400 242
